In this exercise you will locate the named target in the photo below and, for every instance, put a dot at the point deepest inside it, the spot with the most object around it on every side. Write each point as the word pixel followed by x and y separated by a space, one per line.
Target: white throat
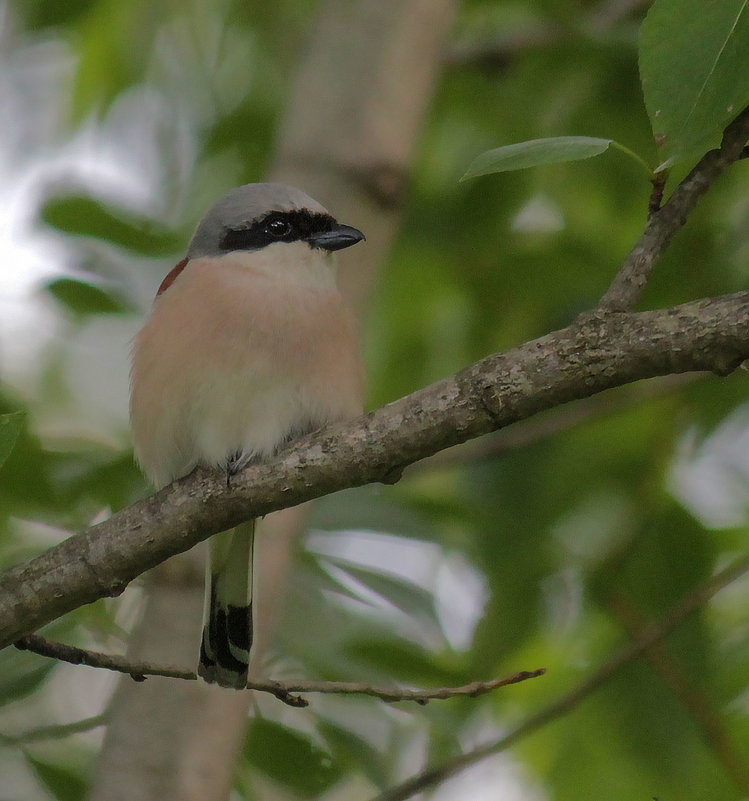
pixel 290 261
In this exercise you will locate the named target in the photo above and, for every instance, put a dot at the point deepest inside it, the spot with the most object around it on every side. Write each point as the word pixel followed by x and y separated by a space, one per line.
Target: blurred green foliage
pixel 80 215
pixel 10 427
pixel 465 570
pixel 288 756
pixel 61 780
pixel 84 298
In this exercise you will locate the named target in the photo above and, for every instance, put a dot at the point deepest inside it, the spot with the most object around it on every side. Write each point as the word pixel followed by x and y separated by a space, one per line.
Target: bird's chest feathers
pixel 269 327
pixel 256 357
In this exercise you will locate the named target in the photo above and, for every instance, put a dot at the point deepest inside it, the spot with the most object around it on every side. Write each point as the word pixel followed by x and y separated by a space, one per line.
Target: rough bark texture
pixel 597 352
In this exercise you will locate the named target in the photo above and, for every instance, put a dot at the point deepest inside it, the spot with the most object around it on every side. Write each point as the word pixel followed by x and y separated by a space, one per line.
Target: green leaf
pixel 407 596
pixel 400 660
pixel 21 673
pixel 324 581
pixel 290 758
pixel 694 66
pixel 534 152
pixel 356 753
pixel 64 783
pixel 83 298
pixel 18 686
pixel 10 427
pixel 113 50
pixel 81 215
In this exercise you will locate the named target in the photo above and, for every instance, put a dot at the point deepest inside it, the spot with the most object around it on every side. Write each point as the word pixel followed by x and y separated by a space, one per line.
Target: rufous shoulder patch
pixel 171 276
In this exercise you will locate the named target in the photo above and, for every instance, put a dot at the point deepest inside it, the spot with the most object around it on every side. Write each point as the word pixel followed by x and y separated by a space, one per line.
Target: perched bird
pixel 249 345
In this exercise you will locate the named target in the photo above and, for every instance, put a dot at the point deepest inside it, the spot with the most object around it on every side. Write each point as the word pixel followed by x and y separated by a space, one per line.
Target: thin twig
pixel 625 289
pixel 394 694
pixel 56 732
pixel 79 656
pixel 284 691
pixel 644 640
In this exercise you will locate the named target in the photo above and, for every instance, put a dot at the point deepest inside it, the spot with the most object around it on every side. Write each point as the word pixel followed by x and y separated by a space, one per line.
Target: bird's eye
pixel 278 228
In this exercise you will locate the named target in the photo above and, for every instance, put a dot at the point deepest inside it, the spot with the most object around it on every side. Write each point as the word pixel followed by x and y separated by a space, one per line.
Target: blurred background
pixel 539 547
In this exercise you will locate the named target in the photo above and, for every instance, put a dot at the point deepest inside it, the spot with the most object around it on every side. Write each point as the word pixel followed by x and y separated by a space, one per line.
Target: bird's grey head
pixel 254 216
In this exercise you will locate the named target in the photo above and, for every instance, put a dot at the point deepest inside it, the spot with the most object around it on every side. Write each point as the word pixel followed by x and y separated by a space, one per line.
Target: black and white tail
pixel 227 615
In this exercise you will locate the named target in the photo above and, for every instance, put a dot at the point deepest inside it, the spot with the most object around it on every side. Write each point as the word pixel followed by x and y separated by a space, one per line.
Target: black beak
pixel 342 236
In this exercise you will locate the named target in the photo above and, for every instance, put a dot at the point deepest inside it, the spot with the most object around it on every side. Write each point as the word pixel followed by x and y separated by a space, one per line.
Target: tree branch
pixel 646 639
pixel 283 690
pixel 597 352
pixel 663 223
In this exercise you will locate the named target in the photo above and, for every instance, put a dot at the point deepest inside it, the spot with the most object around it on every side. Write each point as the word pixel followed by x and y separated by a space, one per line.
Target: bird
pixel 248 346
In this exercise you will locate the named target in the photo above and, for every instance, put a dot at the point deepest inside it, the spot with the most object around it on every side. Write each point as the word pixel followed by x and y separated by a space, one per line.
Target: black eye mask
pixel 277 226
